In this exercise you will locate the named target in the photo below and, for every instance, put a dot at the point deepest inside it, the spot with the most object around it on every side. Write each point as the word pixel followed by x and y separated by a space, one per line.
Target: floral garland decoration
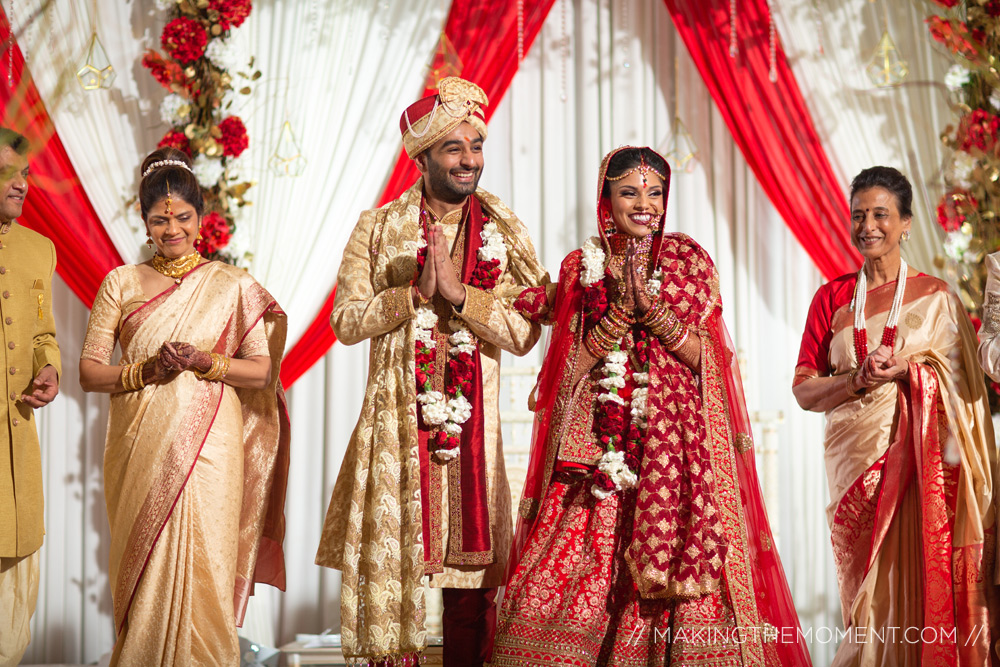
pixel 198 67
pixel 445 412
pixel 618 467
pixel 967 212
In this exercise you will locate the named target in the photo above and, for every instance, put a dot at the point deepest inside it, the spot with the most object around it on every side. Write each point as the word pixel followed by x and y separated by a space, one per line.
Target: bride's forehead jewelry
pixel 642 168
pixel 169 203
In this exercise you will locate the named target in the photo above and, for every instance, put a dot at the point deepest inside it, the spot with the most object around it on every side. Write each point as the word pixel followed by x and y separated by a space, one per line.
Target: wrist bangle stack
pixel 851 391
pixel 132 376
pixel 609 331
pixel 665 325
pixel 219 369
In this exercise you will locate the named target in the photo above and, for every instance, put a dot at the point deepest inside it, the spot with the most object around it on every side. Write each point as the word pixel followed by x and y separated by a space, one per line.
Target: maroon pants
pixel 469 621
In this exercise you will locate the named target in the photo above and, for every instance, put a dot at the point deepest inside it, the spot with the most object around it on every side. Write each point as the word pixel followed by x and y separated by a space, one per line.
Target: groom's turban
pixel 427 120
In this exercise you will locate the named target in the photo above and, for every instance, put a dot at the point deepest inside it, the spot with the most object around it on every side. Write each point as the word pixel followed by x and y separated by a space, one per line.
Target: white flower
pixel 224 55
pixel 493 244
pixel 616 357
pixel 445 455
pixel 611 461
pixel 425 318
pixel 614 398
pixel 962 168
pixel 174 109
pixel 995 99
pixel 425 336
pixel 599 493
pixel 641 378
pixel 451 428
pixel 459 410
pixel 956 244
pixel 592 261
pixel 164 5
pixel 626 478
pixel 434 414
pixel 208 170
pixel 639 406
pixel 956 77
pixel 464 348
pixel 612 381
pixel 461 337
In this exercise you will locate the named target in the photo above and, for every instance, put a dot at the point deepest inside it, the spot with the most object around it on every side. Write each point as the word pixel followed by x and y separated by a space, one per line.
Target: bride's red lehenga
pixel 682 568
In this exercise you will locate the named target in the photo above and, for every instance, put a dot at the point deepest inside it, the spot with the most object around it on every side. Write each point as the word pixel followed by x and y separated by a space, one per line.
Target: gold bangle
pixel 850 383
pixel 132 376
pixel 678 341
pixel 218 370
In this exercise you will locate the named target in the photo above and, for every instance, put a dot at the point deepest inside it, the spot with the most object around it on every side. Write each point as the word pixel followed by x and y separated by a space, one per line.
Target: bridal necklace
pixel 858 306
pixel 176 268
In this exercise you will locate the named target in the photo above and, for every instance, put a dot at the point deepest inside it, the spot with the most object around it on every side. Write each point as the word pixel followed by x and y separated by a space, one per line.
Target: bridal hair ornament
pixel 642 168
pixel 169 203
pixel 165 163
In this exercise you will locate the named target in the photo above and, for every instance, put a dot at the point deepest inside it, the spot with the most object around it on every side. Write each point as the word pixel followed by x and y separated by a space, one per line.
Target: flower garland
pixel 198 65
pixel 970 31
pixel 445 412
pixel 618 467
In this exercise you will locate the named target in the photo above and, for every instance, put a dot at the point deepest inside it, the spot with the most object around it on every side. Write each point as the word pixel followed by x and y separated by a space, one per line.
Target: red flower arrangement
pixel 184 39
pixel 957 36
pixel 992 8
pixel 215 234
pixel 231 13
pixel 486 274
pixel 595 303
pixel 978 130
pixel 947 3
pixel 234 138
pixel 176 139
pixel 168 73
pixel 952 209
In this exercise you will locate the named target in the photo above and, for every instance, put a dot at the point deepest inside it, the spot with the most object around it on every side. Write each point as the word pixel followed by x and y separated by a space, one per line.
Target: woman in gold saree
pixel 889 355
pixel 197 451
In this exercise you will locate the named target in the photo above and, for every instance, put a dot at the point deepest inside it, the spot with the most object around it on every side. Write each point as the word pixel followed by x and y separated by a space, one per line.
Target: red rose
pixel 603 481
pixel 421 379
pixel 632 461
pixel 992 7
pixel 166 72
pixel 176 139
pixel 956 36
pixel 953 208
pixel 215 234
pixel 439 439
pixel 978 129
pixel 184 40
pixel 977 323
pixel 234 136
pixel 232 13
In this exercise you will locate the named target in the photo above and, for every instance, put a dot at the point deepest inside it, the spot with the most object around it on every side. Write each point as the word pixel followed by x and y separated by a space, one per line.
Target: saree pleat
pixel 194 470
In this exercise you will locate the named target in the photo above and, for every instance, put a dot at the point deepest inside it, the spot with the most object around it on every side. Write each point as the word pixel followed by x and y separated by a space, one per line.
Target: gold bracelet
pixel 598 342
pixel 132 376
pixel 218 370
pixel 679 340
pixel 850 383
pixel 620 316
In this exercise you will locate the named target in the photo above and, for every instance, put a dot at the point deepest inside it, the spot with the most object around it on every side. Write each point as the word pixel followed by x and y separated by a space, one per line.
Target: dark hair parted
pixel 183 184
pixel 10 138
pixel 630 158
pixel 889 179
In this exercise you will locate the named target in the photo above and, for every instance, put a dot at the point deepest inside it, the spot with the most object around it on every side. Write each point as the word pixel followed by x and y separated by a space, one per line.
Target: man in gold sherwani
pixel 422 496
pixel 31 377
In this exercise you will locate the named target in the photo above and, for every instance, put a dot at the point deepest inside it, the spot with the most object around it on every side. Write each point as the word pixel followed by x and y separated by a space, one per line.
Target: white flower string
pixel 593 262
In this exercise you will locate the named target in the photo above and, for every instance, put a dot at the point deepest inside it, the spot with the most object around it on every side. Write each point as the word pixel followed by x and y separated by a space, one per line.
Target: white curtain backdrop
pixel 829 44
pixel 612 84
pixel 339 72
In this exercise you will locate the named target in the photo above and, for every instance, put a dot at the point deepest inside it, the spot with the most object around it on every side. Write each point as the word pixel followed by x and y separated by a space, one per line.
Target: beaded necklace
pixel 858 306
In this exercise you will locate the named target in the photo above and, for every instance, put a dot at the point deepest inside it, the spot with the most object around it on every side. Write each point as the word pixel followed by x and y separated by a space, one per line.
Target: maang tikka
pixel 169 202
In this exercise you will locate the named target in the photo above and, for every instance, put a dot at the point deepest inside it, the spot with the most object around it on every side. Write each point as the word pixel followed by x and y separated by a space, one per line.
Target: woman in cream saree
pixel 910 453
pixel 195 464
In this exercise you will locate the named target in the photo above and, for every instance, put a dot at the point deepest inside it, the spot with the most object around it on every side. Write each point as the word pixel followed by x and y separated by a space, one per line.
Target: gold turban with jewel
pixel 427 120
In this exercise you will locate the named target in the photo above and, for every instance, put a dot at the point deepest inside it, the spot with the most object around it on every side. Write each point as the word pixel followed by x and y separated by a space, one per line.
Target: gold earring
pixel 200 237
pixel 149 241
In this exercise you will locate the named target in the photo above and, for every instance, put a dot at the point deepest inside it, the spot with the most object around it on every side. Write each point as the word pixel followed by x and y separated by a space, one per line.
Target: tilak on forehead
pixel 427 120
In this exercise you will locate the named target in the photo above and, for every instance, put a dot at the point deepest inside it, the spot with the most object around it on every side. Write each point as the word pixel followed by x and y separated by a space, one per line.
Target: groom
pixel 429 278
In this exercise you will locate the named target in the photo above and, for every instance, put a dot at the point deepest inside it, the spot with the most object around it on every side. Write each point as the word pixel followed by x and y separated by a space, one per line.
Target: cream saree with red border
pixel 194 470
pixel 912 469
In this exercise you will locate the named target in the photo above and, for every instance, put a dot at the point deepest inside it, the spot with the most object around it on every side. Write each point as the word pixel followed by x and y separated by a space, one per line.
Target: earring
pixel 200 237
pixel 906 235
pixel 149 241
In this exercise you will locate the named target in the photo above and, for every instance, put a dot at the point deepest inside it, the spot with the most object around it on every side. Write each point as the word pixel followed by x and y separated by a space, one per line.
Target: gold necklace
pixel 175 268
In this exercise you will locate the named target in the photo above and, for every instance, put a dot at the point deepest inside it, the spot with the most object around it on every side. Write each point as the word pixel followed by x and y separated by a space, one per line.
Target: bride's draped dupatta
pixel 164 426
pixel 913 474
pixel 700 516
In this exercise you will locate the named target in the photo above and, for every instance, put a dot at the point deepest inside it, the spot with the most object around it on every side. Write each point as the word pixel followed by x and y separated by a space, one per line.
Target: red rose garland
pixel 215 234
pixel 184 39
pixel 445 413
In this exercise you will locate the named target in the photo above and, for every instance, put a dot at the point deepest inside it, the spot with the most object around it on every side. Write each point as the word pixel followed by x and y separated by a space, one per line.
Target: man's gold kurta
pixel 373 526
pixel 27 262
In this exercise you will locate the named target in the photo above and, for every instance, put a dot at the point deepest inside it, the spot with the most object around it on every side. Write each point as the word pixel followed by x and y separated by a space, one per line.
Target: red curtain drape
pixel 771 124
pixel 57 205
pixel 485 40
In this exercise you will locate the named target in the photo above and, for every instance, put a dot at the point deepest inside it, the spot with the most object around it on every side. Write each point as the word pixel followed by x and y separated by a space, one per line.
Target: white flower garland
pixel 593 262
pixel 450 412
pixel 655 282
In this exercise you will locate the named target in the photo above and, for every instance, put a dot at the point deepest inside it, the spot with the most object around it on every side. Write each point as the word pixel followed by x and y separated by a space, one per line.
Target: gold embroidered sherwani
pixel 28 339
pixel 373 528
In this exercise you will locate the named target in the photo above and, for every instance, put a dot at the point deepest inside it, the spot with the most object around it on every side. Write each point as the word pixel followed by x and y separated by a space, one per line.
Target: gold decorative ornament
pixel 176 268
pixel 287 159
pixel 444 63
pixel 680 151
pixel 96 72
pixel 885 68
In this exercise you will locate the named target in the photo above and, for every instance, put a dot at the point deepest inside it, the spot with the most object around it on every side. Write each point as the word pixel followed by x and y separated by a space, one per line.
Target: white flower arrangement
pixel 174 109
pixel 956 77
pixel 956 246
pixel 995 99
pixel 224 54
pixel 433 407
pixel 493 246
pixel 639 396
pixel 593 262
pixel 425 319
pixel 208 170
pixel 962 168
pixel 612 463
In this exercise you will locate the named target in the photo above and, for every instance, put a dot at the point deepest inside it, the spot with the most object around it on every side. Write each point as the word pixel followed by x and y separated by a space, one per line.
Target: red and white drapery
pixel 769 121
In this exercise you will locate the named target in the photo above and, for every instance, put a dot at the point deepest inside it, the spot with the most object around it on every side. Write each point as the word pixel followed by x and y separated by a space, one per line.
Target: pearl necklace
pixel 858 306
